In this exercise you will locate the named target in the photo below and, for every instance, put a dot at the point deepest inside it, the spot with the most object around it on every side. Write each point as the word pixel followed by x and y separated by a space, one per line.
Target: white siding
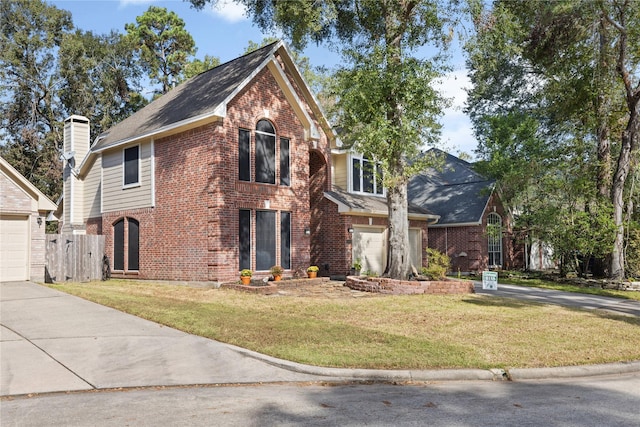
pixel 92 189
pixel 340 171
pixel 115 197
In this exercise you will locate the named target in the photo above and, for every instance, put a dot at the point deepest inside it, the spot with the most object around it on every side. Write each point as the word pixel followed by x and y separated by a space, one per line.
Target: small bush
pixel 439 264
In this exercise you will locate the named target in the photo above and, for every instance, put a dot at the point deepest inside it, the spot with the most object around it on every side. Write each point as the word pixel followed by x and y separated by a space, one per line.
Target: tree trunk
pixel 629 146
pixel 398 256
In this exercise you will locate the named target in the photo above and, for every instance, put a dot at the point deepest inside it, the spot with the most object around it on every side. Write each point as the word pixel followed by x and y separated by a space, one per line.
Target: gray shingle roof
pixel 360 203
pixel 457 193
pixel 197 97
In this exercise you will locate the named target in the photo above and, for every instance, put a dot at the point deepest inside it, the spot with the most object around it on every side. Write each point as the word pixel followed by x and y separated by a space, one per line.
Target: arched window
pixel 265 152
pixel 128 249
pixel 264 156
pixel 494 237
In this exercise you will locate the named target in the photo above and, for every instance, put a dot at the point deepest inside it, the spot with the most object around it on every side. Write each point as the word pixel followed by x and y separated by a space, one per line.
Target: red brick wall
pixel 472 240
pixel 192 232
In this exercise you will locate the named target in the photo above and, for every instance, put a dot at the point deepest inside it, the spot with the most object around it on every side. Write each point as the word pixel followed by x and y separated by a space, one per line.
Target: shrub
pixel 439 264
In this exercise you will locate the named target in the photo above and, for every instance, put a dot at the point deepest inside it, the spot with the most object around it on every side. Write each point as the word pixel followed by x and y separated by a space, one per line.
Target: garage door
pixel 370 247
pixel 415 241
pixel 14 248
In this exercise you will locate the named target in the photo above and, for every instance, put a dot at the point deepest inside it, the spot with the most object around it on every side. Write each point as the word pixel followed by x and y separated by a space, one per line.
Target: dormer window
pixel 366 176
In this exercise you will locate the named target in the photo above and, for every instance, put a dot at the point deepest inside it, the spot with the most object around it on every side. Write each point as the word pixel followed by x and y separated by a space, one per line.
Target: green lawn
pixel 394 332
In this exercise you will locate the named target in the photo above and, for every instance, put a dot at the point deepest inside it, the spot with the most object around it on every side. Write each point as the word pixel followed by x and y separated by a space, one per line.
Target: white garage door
pixel 370 247
pixel 415 241
pixel 14 248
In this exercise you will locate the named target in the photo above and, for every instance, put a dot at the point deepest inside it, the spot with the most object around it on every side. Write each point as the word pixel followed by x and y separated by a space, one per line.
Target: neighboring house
pixel 217 175
pixel 474 228
pixel 23 211
pixel 354 217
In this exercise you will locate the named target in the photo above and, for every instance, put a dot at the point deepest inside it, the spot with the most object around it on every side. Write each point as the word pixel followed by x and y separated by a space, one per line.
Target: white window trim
pixel 134 184
pixel 498 241
pixel 351 178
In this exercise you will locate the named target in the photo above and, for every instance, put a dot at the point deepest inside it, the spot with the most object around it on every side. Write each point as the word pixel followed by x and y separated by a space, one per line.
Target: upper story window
pixel 131 166
pixel 264 155
pixel 366 176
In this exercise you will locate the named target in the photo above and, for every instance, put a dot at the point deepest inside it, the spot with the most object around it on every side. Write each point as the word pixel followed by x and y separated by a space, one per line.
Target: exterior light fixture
pixel 350 230
pixel 307 231
pixel 39 221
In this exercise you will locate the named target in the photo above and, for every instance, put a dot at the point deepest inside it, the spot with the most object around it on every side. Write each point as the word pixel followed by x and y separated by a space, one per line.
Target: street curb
pixel 575 371
pixel 497 374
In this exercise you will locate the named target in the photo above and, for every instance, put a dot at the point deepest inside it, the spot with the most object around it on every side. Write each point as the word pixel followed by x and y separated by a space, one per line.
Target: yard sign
pixel 490 280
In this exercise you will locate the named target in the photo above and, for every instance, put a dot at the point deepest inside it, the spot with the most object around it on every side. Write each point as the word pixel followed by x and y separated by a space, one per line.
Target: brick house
pixel 354 217
pixel 473 228
pixel 219 174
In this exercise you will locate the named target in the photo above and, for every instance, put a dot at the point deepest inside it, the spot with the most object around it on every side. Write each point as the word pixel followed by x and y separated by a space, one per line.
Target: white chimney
pixel 75 149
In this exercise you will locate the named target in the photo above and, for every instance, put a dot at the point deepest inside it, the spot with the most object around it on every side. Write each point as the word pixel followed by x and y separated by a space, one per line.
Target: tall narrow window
pixel 285 178
pixel 265 152
pixel 367 176
pixel 118 245
pixel 131 165
pixel 494 237
pixel 244 155
pixel 285 240
pixel 133 248
pixel 265 239
pixel 244 236
pixel 356 171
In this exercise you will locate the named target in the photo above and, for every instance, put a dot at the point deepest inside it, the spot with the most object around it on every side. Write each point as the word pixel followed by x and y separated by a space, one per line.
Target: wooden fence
pixel 73 257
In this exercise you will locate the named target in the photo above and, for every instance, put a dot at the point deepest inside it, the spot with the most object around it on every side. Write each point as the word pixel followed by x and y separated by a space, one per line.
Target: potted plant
pixel 312 271
pixel 245 276
pixel 356 267
pixel 276 272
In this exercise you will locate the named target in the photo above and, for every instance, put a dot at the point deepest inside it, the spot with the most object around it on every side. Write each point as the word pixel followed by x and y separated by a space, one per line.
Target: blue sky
pixel 224 32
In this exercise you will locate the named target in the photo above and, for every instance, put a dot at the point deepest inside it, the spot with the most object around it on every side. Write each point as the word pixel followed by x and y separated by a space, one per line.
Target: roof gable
pixel 203 98
pixel 456 192
pixel 44 203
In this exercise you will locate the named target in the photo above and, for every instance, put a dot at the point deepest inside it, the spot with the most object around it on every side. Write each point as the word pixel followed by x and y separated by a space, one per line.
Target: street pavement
pixel 54 342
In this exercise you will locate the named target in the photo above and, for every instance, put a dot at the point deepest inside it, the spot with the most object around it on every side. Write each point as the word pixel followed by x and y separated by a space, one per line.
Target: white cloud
pixel 125 3
pixel 228 10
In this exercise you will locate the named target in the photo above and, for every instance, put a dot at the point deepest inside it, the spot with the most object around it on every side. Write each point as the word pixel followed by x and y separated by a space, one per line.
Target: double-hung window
pixel 366 176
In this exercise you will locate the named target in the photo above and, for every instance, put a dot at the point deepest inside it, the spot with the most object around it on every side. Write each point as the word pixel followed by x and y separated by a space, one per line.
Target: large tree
pixel 385 102
pixel 164 44
pixel 49 71
pixel 31 125
pixel 564 71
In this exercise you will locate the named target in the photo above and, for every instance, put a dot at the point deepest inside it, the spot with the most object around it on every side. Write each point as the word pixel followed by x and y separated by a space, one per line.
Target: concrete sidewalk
pixel 54 342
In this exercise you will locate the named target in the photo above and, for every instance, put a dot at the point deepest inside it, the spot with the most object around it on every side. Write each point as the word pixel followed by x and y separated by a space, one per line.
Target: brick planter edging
pixel 272 287
pixel 408 287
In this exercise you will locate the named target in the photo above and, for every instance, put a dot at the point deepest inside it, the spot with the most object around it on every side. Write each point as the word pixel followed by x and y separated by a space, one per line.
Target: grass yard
pixel 391 332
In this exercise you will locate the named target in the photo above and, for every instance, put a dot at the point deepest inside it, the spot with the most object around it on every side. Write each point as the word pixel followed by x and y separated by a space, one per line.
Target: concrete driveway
pixel 51 341
pixel 567 299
